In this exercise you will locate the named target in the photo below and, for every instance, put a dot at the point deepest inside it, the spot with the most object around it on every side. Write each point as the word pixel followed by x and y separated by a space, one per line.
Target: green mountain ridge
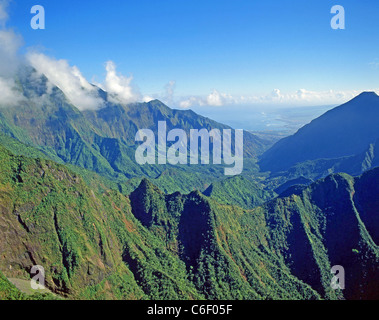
pixel 334 230
pixel 345 131
pixel 157 246
pixel 103 140
pixel 73 199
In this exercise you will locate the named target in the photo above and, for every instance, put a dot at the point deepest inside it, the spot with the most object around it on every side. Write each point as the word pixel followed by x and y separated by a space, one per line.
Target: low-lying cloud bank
pixel 8 95
pixel 301 97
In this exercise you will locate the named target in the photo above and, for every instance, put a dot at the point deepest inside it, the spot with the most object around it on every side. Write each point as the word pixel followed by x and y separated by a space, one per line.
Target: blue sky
pixel 231 49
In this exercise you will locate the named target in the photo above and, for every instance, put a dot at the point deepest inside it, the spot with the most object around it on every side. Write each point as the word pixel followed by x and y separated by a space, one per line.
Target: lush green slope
pixel 326 224
pixel 239 191
pixel 50 217
pixel 169 181
pixel 103 141
pixel 225 248
pixel 101 244
pixel 303 233
pixel 123 121
pixel 8 291
pixel 73 200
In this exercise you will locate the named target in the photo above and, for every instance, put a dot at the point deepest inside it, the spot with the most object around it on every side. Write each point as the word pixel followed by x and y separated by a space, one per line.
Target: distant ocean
pixel 263 118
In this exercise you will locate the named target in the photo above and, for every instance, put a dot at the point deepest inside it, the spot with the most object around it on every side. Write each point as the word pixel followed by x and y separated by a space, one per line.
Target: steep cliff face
pixel 324 225
pixel 304 232
pixel 225 248
pixel 49 217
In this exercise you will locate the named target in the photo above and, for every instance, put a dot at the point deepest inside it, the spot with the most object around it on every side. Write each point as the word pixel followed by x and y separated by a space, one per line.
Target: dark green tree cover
pixel 327 224
pixel 103 140
pixel 151 245
pixel 239 190
pixel 96 245
pixel 73 200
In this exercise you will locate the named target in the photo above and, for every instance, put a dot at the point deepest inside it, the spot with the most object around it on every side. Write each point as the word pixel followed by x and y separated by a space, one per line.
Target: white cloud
pixel 166 96
pixel 170 91
pixel 69 79
pixel 3 12
pixel 190 102
pixel 9 96
pixel 77 89
pixel 319 97
pixel 276 94
pixel 301 97
pixel 147 98
pixel 118 85
pixel 10 42
pixel 215 99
